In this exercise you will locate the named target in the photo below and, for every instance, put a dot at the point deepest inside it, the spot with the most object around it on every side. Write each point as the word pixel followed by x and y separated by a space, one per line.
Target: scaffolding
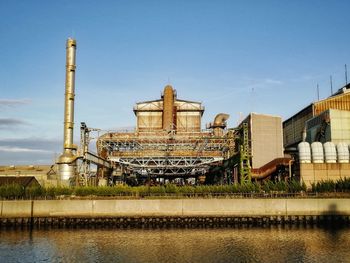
pixel 245 155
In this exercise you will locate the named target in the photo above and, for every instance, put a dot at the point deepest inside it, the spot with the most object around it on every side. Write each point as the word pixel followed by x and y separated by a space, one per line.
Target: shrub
pixel 35 191
pixel 343 185
pixel 62 190
pixel 12 191
pixel 159 190
pixel 186 189
pixel 85 190
pixel 171 188
pixel 50 192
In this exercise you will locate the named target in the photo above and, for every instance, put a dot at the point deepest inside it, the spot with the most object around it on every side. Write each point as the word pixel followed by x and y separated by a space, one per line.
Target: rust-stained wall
pixel 168 108
pixel 158 115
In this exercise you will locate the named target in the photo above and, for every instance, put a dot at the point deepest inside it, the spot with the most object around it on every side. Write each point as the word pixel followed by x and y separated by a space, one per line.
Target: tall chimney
pixel 67 161
pixel 168 108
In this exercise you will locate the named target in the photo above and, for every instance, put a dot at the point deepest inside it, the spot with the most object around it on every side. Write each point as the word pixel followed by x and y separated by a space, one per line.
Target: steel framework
pixel 164 154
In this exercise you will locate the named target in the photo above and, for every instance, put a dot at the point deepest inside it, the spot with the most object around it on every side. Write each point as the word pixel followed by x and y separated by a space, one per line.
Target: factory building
pixel 168 113
pixel 294 130
pixel 318 137
pixel 168 142
pixel 259 148
pixel 330 126
pixel 44 174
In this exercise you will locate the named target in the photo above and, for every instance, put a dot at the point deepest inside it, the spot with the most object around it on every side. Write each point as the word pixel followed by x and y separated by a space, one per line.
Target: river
pixel 240 244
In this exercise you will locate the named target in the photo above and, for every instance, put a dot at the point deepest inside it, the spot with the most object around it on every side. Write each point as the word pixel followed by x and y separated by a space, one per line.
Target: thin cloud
pixel 32 143
pixel 12 149
pixel 6 123
pixel 273 81
pixel 31 150
pixel 11 121
pixel 9 103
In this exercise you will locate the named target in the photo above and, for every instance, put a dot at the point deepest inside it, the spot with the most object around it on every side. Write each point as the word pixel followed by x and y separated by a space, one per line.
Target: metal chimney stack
pixel 168 108
pixel 67 161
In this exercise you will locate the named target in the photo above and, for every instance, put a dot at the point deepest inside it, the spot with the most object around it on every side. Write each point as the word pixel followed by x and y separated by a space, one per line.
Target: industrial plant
pixel 168 144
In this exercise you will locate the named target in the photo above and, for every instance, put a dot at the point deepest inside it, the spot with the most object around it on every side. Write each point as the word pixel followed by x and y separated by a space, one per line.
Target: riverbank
pixel 174 212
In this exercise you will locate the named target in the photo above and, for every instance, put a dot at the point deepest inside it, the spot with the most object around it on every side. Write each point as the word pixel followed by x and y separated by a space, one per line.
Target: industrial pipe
pixel 219 123
pixel 269 168
pixel 168 108
pixel 67 161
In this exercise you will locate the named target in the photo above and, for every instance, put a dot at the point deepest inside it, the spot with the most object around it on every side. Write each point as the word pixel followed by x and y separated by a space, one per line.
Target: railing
pixel 150 195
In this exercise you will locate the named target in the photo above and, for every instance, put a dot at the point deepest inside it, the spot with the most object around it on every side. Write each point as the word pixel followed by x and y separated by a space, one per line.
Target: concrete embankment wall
pixel 173 208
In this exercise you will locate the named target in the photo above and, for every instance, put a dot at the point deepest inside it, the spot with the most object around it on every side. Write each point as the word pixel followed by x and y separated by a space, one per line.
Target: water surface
pixel 275 244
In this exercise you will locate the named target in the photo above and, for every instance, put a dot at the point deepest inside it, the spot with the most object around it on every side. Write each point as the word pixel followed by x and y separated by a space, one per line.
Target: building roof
pixel 21 180
pixel 344 91
pixel 307 108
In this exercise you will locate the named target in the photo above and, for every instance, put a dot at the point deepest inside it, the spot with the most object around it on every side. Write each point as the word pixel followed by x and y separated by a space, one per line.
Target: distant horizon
pixel 235 57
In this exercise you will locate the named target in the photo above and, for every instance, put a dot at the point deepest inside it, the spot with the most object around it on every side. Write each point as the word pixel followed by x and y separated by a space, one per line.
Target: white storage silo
pixel 304 152
pixel 317 152
pixel 330 152
pixel 343 152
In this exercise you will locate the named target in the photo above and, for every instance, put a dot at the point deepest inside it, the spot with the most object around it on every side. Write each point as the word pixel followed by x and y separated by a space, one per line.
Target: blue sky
pixel 234 56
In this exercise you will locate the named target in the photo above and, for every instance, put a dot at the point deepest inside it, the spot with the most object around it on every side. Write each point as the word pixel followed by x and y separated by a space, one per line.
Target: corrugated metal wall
pixel 293 128
pixel 187 116
pixel 149 121
pixel 341 102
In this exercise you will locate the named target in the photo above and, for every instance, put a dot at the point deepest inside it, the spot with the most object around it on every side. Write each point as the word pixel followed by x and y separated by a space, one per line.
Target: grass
pixel 18 192
pixel 341 185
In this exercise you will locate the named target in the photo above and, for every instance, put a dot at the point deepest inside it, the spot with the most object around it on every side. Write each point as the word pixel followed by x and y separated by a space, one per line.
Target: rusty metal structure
pixel 168 141
pixel 167 144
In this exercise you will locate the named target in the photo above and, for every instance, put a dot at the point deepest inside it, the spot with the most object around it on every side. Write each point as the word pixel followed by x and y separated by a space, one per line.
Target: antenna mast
pixel 346 75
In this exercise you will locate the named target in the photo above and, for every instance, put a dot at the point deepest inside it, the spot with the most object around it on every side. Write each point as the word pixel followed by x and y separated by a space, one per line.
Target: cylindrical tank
pixel 317 152
pixel 168 108
pixel 304 152
pixel 343 152
pixel 66 171
pixel 330 152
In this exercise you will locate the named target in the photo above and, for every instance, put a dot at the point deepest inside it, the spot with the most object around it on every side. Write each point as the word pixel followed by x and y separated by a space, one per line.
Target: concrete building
pixel 259 148
pixel 330 126
pixel 265 137
pixel 321 132
pixel 311 173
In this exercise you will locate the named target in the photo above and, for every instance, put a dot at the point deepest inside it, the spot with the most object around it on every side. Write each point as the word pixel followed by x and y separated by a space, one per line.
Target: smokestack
pixel 168 108
pixel 67 161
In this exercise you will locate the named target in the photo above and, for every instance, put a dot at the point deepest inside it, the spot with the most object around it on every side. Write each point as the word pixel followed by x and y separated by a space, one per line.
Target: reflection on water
pixel 276 244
